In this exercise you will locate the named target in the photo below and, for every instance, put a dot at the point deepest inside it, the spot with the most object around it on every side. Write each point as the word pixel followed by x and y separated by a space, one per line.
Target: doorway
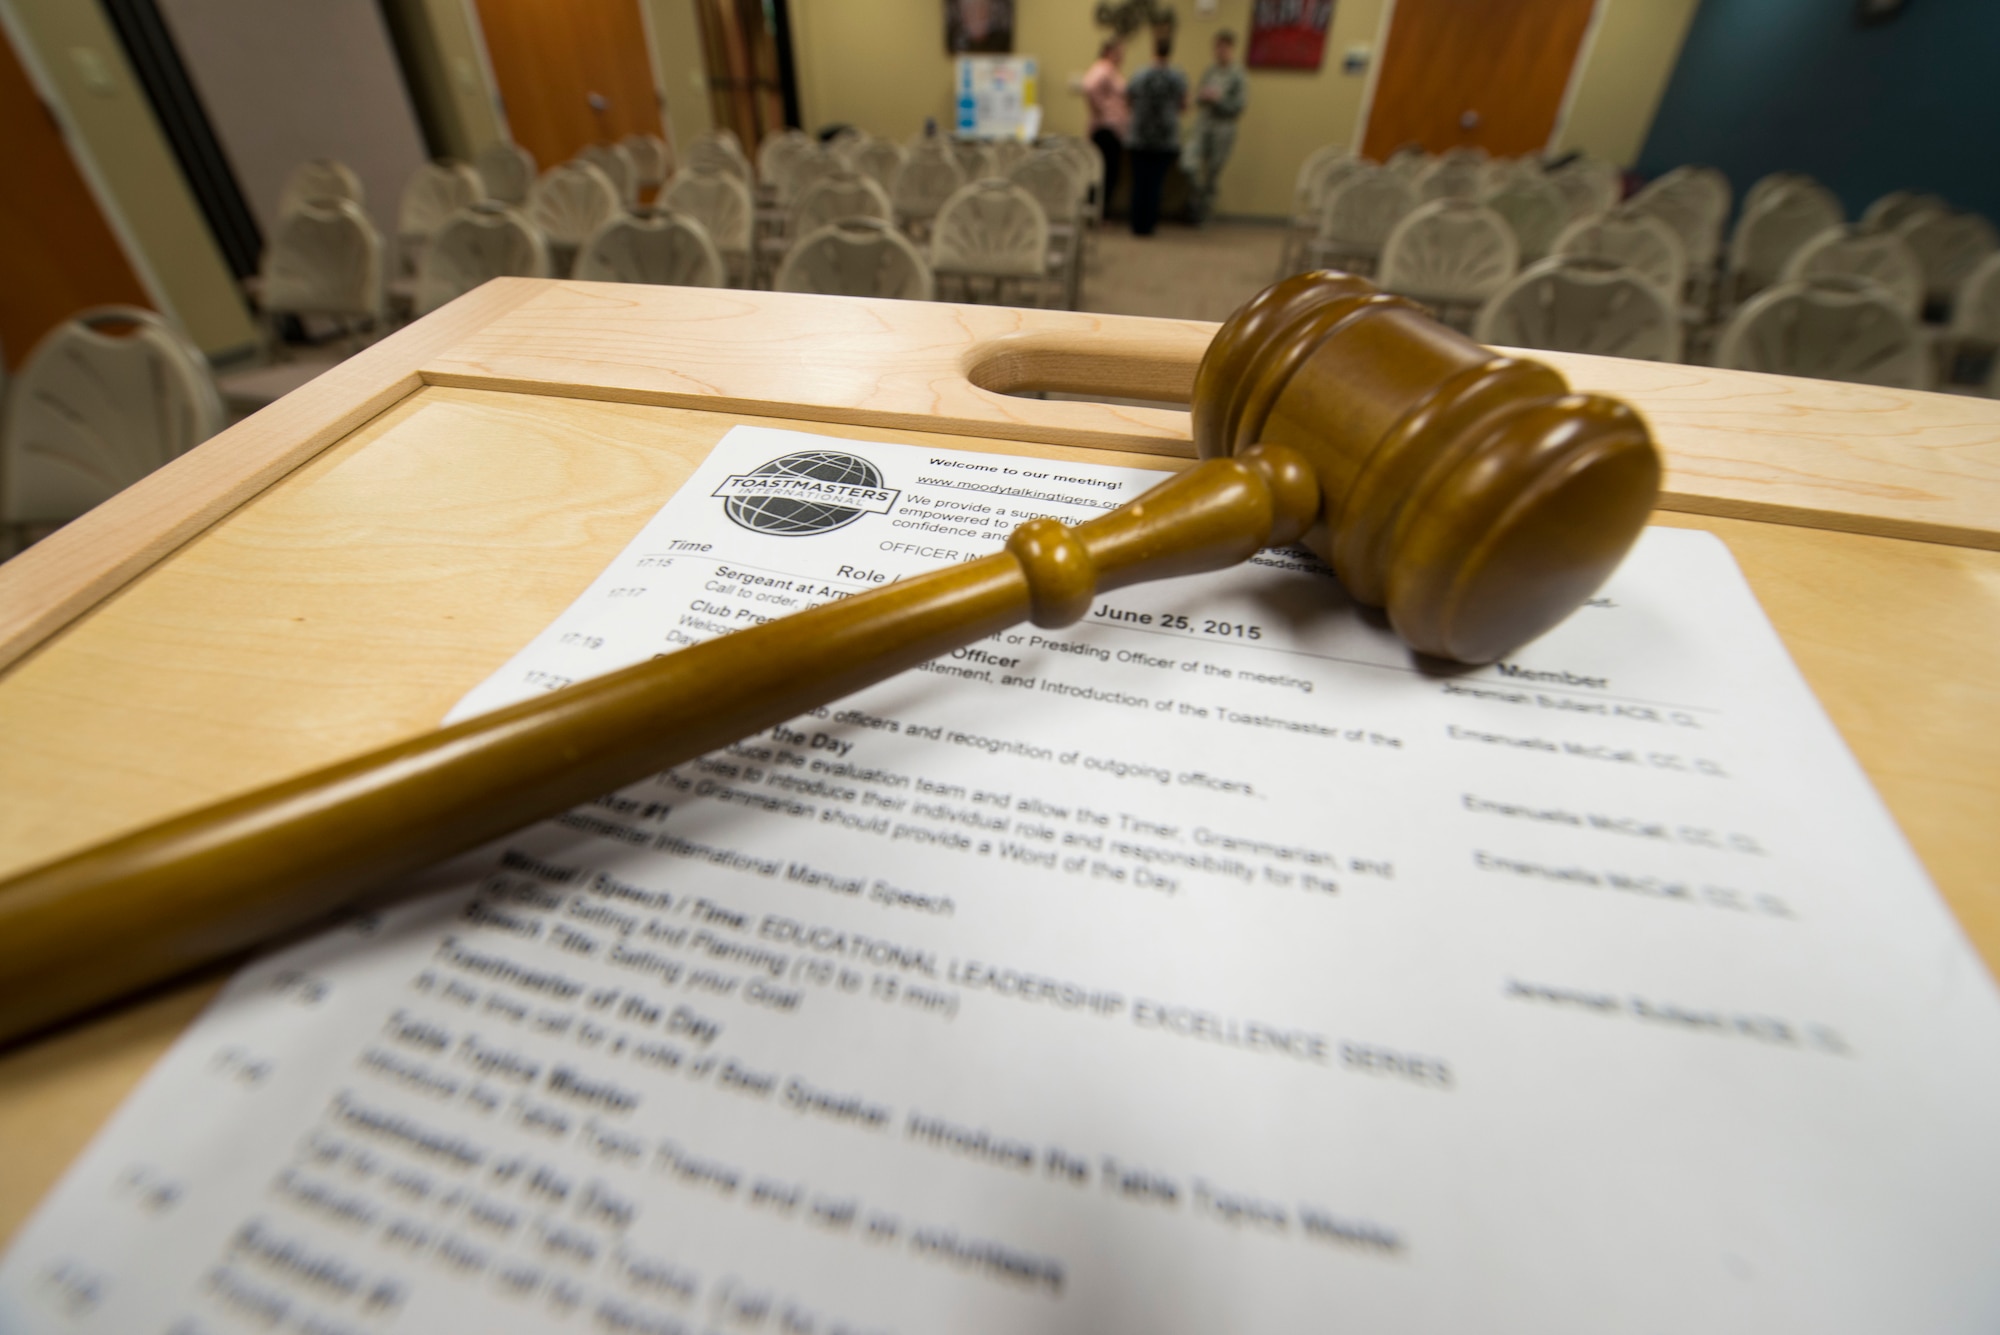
pixel 571 74
pixel 1488 74
pixel 747 56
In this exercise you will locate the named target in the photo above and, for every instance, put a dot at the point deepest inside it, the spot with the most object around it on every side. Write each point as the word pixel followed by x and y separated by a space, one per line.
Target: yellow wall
pixel 881 65
pixel 1624 73
pixel 677 67
pixel 451 82
pixel 121 152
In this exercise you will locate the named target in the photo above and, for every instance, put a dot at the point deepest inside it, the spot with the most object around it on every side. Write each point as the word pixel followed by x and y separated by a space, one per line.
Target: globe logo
pixel 813 491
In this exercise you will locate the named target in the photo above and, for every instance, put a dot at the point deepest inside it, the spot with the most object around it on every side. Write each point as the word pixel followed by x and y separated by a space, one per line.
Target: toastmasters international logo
pixel 813 491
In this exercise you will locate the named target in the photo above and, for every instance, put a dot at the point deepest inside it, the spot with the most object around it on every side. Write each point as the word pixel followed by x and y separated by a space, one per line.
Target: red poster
pixel 1288 34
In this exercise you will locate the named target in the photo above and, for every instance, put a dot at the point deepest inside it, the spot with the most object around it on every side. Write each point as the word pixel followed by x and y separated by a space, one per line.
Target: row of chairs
pixel 1554 259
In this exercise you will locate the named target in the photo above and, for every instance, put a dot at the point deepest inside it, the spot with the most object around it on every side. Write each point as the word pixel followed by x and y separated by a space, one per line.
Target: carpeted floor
pixel 1179 272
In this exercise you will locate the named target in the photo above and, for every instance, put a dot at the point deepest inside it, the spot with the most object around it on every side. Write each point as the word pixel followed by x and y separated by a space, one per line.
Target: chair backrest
pixel 1639 241
pixel 506 170
pixel 1305 194
pixel 974 159
pixel 1975 311
pixel 324 259
pixel 778 155
pixel 1008 154
pixel 435 191
pixel 1766 238
pixel 652 157
pixel 1831 328
pixel 1409 163
pixel 927 180
pixel 1052 178
pixel 1534 209
pixel 1708 186
pixel 570 202
pixel 1881 257
pixel 1948 246
pixel 1570 304
pixel 1454 176
pixel 991 227
pixel 1898 206
pixel 1450 250
pixel 617 165
pixel 320 179
pixel 718 151
pixel 488 240
pixel 879 160
pixel 1686 212
pixel 1587 186
pixel 1328 174
pixel 92 411
pixel 656 246
pixel 840 194
pixel 856 257
pixel 805 170
pixel 1772 183
pixel 719 201
pixel 1361 211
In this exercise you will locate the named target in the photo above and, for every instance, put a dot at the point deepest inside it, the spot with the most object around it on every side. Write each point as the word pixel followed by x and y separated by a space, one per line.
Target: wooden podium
pixel 333 573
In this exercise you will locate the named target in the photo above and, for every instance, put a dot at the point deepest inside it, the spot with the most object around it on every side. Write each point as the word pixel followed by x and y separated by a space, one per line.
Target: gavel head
pixel 1472 496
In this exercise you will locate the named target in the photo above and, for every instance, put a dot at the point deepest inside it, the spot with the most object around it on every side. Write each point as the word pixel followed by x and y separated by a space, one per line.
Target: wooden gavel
pixel 1472 496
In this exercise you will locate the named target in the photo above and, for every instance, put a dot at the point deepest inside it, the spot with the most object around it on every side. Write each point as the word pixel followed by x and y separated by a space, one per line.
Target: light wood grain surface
pixel 356 600
pixel 1847 457
pixel 413 523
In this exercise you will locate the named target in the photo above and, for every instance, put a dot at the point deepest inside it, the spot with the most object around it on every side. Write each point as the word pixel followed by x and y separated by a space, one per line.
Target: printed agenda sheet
pixel 1209 965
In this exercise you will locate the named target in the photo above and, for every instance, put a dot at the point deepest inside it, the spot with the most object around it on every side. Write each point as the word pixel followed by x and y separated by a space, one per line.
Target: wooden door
pixel 743 57
pixel 1489 74
pixel 571 74
pixel 57 254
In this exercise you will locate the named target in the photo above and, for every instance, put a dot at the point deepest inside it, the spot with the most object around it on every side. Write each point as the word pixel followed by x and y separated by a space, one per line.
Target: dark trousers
pixel 1113 149
pixel 1149 177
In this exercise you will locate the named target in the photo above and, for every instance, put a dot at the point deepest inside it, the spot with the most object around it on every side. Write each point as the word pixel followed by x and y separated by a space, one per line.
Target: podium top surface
pixel 333 573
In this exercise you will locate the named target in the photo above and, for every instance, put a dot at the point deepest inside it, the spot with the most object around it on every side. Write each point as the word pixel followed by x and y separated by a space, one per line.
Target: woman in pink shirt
pixel 1110 116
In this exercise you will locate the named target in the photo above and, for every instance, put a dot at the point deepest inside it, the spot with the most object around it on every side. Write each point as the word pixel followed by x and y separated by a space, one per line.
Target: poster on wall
pixel 997 97
pixel 1288 34
pixel 978 25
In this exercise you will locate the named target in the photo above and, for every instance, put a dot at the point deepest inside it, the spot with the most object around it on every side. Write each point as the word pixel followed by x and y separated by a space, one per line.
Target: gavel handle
pixel 149 905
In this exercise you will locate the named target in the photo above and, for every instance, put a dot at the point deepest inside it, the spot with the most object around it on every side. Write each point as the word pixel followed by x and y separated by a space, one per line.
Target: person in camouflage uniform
pixel 1219 100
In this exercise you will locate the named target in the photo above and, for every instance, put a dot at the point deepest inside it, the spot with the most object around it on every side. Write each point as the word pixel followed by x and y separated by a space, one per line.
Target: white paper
pixel 1211 965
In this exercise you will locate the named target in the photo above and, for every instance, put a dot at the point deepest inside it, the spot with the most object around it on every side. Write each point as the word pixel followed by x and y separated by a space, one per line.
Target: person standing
pixel 1219 99
pixel 1110 117
pixel 1158 95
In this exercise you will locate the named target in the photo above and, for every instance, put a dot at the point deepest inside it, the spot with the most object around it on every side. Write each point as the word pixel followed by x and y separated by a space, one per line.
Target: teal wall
pixel 1801 85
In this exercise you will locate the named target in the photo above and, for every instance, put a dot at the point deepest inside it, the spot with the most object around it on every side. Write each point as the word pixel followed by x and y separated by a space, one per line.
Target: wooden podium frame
pixel 333 573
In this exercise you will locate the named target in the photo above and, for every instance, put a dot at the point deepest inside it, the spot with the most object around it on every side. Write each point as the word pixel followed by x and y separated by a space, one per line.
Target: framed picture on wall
pixel 978 26
pixel 1288 34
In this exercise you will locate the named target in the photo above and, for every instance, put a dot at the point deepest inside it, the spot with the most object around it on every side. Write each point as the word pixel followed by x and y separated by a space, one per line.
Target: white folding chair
pixel 992 230
pixel 720 202
pixel 1571 304
pixel 1639 241
pixel 1767 237
pixel 1828 328
pixel 506 170
pixel 652 158
pixel 1880 257
pixel 486 241
pixel 1587 186
pixel 319 180
pixel 1451 254
pixel 103 399
pixel 927 180
pixel 1533 208
pixel 567 204
pixel 434 192
pixel 1898 206
pixel 652 246
pixel 856 257
pixel 1948 247
pixel 1356 218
